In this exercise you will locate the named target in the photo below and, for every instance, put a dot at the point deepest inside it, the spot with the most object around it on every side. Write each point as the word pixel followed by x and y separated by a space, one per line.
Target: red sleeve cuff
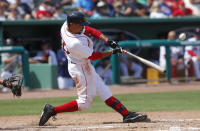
pixel 191 53
pixel 92 32
pixel 95 56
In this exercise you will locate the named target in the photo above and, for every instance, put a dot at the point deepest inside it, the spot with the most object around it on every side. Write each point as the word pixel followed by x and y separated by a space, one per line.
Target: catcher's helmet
pixel 77 18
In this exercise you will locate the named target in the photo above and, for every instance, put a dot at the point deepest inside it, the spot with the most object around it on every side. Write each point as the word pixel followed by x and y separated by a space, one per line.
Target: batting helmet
pixel 77 18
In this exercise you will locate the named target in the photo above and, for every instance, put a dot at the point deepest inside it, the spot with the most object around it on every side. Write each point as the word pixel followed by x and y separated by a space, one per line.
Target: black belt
pixel 72 62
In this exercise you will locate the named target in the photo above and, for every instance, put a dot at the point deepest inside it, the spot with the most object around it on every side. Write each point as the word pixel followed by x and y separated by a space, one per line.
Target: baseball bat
pixel 146 62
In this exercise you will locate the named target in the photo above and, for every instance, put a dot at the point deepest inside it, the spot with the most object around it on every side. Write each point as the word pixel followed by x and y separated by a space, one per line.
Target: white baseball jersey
pixel 191 53
pixel 78 47
pixel 175 52
pixel 190 49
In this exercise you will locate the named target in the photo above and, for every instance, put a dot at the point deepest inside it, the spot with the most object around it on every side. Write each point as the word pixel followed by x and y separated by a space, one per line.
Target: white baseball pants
pixel 88 84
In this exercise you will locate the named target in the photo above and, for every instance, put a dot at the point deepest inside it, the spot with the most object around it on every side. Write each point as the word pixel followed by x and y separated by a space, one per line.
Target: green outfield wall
pixel 40 76
pixel 43 76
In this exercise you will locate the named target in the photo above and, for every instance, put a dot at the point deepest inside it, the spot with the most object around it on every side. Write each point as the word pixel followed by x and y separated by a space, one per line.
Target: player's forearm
pixel 33 61
pixel 103 37
pixel 100 55
pixel 1 81
pixel 10 59
pixel 106 53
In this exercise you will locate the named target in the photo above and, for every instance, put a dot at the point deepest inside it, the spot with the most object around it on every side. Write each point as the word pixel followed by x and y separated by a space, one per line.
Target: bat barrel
pixel 146 62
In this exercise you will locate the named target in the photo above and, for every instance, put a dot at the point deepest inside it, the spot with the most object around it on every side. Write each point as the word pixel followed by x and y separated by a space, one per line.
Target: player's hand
pixel 113 44
pixel 117 50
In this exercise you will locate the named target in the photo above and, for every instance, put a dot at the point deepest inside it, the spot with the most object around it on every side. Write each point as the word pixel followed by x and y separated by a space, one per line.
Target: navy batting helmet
pixel 77 18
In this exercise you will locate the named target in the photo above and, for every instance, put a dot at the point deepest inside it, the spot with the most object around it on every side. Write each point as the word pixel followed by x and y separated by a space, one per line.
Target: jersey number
pixel 63 44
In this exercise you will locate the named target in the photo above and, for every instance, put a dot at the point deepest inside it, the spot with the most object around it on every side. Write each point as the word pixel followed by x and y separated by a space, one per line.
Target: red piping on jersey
pixel 85 81
pixel 95 56
pixel 72 36
pixel 191 53
pixel 88 42
pixel 89 31
pixel 63 45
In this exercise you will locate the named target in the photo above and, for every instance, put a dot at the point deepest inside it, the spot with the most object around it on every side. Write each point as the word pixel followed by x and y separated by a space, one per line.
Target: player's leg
pixel 64 82
pixel 137 68
pixel 50 111
pixel 61 82
pixel 196 67
pixel 105 94
pixel 124 69
pixel 86 95
pixel 174 67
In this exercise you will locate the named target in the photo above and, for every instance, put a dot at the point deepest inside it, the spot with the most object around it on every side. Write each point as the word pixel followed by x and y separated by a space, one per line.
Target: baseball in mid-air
pixel 182 36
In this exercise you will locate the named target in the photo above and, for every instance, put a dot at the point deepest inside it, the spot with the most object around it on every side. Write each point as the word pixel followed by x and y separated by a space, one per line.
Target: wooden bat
pixel 146 62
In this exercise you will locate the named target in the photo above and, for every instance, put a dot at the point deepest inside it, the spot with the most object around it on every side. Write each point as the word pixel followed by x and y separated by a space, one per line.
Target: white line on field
pixel 179 120
pixel 178 128
pixel 109 126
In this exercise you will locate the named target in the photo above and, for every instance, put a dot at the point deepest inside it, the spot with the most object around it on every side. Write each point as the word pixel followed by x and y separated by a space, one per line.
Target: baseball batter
pixel 79 51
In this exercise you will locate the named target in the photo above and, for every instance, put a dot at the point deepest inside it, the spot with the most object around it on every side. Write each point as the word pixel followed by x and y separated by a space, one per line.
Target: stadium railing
pixel 147 44
pixel 25 63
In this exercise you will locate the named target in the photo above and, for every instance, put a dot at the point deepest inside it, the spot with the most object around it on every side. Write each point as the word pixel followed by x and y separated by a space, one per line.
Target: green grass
pixel 169 101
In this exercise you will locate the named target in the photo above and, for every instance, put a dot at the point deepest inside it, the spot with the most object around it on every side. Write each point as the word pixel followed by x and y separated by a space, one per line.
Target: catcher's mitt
pixel 14 83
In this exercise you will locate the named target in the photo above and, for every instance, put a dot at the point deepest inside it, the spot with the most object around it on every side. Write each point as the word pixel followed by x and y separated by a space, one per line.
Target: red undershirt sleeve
pixel 89 31
pixel 95 56
pixel 191 53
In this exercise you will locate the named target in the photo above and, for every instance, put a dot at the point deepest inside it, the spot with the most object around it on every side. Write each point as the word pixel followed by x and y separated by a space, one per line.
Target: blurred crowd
pixel 58 9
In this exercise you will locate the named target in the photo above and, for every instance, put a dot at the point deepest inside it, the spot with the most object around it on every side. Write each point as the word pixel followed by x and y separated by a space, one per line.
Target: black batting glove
pixel 113 44
pixel 117 50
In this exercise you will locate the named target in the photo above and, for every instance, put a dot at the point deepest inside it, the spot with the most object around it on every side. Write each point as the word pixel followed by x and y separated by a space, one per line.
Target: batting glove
pixel 117 50
pixel 113 44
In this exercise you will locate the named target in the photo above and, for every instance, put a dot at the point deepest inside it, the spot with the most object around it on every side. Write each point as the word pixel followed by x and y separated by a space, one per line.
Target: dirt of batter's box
pixel 176 120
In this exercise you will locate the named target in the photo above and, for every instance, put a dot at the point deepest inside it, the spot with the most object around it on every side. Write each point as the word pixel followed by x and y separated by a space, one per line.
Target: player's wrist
pixel 113 44
pixel 117 50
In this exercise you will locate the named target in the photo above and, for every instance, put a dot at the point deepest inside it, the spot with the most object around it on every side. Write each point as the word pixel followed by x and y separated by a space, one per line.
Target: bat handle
pixel 124 51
